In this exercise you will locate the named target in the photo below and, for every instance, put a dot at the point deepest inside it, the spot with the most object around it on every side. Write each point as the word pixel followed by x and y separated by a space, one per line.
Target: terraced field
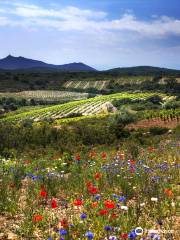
pixel 99 85
pixel 92 106
pixel 103 84
pixel 133 79
pixel 47 95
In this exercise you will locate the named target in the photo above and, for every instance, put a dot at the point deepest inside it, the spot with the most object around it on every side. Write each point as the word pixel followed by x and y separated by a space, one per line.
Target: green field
pixel 46 95
pixel 92 106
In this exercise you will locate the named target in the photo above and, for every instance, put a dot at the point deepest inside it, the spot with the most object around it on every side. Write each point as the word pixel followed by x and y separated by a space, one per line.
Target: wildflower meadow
pixel 95 194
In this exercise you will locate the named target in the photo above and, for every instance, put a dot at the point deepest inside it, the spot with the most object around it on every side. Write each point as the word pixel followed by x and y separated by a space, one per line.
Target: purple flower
pixel 122 199
pixel 108 228
pixel 83 216
pixel 63 232
pixel 89 235
pixel 97 197
pixel 132 235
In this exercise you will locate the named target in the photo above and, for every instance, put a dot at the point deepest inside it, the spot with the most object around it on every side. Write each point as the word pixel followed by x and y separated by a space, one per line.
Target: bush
pixel 154 99
pixel 172 105
pixel 158 130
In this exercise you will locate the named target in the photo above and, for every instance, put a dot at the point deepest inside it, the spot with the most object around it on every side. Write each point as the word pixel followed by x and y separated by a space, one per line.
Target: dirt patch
pixel 155 122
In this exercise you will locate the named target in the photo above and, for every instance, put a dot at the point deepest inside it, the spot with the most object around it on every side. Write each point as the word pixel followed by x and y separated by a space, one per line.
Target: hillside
pixel 144 70
pixel 92 106
pixel 14 63
pixel 94 81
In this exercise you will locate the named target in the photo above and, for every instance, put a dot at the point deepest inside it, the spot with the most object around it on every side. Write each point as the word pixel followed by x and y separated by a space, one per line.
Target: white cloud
pixel 86 35
pixel 69 12
pixel 73 18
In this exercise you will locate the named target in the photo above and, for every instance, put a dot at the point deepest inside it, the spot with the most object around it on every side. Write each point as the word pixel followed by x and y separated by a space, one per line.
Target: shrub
pixel 158 130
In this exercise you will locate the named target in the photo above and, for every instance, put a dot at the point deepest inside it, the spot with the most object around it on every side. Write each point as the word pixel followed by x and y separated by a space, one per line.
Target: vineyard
pixel 161 118
pixel 99 85
pixel 133 79
pixel 86 107
pixel 103 84
pixel 164 115
pixel 47 95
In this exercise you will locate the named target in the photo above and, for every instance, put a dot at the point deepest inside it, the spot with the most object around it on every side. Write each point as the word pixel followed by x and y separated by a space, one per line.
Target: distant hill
pixel 21 63
pixel 144 70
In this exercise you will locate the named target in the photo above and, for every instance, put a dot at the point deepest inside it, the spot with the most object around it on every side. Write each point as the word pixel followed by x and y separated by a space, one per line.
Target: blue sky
pixel 103 33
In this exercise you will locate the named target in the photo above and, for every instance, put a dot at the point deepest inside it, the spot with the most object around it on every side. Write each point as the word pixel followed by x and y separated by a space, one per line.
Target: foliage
pixel 158 130
pixel 92 194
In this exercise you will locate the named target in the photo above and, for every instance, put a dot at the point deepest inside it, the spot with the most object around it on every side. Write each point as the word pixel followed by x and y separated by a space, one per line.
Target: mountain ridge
pixel 20 63
pixel 25 64
pixel 140 70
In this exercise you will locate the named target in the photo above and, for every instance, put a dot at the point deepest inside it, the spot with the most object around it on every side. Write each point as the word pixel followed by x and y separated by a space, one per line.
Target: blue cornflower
pixel 97 197
pixel 112 238
pixel 83 215
pixel 89 235
pixel 155 236
pixel 122 199
pixel 118 205
pixel 108 228
pixel 114 195
pixel 62 232
pixel 132 235
pixel 34 177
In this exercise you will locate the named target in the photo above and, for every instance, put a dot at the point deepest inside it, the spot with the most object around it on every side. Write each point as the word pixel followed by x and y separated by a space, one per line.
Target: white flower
pixel 124 208
pixel 64 164
pixel 142 204
pixel 112 237
pixel 153 199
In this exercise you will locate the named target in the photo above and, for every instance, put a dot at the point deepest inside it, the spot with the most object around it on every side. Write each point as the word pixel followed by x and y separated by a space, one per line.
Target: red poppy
pixel 132 162
pixel 78 157
pixel 64 223
pixel 168 192
pixel 109 204
pixel 103 212
pixel 26 162
pixel 151 149
pixel 103 155
pixel 37 218
pixel 94 204
pixel 53 203
pixel 97 176
pixel 114 216
pixel 89 184
pixel 92 154
pixel 78 202
pixel 93 190
pixel 43 193
pixel 124 235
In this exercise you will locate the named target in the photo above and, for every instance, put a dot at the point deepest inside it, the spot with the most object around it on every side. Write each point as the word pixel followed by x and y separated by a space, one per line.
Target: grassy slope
pixel 104 98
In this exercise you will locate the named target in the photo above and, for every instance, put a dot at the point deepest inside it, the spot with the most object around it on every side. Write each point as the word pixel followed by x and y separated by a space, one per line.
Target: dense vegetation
pixel 88 192
pixel 82 169
pixel 116 80
pixel 90 106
